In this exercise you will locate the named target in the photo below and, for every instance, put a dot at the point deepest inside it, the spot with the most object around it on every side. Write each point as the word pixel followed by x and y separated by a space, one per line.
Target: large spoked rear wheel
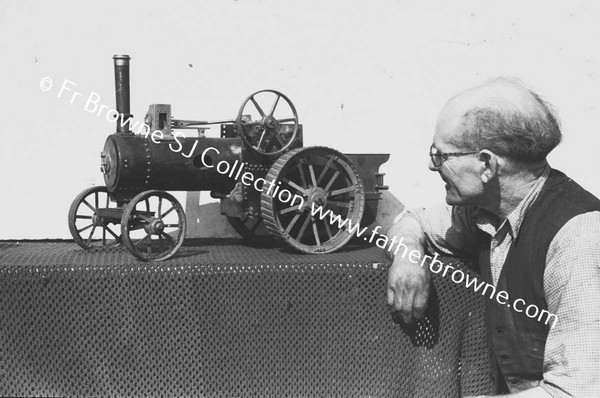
pixel 313 199
pixel 153 226
pixel 89 229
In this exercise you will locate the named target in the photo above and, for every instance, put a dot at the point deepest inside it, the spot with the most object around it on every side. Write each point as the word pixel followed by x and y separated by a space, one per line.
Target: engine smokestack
pixel 122 92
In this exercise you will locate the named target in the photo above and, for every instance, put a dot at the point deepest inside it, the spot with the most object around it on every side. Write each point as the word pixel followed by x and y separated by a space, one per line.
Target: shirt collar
pixel 515 218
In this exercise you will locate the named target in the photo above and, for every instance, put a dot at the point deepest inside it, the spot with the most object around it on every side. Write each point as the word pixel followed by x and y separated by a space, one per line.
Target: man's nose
pixel 432 166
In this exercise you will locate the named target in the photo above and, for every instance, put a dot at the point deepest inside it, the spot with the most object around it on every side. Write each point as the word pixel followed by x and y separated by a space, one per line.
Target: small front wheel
pixel 153 226
pixel 89 229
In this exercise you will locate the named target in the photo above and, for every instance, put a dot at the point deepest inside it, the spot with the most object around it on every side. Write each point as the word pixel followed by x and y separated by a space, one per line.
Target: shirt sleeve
pixel 449 230
pixel 572 289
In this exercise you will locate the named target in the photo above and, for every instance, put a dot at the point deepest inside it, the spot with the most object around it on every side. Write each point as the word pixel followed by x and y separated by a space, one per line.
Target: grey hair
pixel 523 136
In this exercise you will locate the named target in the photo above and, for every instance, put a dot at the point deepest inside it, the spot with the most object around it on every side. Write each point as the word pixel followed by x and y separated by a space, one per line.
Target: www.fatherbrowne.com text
pixel 394 245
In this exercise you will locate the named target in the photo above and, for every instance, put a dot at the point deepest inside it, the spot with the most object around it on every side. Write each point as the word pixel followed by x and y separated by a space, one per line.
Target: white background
pixel 364 76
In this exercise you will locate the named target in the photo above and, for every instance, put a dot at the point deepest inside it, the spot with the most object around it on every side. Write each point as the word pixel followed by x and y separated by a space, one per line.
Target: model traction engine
pixel 255 167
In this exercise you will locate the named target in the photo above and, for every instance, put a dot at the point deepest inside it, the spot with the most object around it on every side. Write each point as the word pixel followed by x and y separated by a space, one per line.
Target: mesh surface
pixel 226 320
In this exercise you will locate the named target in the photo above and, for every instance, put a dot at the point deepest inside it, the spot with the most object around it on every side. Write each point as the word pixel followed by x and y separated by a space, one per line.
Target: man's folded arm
pixel 443 229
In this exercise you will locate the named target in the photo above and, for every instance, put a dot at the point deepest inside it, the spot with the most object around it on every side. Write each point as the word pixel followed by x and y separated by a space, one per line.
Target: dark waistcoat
pixel 518 341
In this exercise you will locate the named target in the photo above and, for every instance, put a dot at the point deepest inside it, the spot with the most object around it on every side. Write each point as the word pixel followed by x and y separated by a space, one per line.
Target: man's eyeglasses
pixel 437 157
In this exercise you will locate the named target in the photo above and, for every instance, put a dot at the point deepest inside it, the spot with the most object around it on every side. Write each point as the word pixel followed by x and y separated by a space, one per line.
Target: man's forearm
pixel 407 231
pixel 408 282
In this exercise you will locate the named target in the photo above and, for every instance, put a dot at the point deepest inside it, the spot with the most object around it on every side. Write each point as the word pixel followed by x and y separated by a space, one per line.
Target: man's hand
pixel 408 283
pixel 408 288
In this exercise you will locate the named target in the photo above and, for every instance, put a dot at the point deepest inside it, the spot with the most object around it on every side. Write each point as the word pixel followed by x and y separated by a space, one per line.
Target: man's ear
pixel 489 166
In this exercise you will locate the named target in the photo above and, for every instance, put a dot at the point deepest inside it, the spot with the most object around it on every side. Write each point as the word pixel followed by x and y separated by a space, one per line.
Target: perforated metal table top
pixel 222 319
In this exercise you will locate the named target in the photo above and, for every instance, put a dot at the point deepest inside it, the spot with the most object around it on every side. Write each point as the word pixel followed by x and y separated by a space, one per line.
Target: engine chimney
pixel 122 93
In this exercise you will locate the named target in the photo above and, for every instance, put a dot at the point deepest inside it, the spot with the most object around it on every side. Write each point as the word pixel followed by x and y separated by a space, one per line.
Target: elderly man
pixel 535 231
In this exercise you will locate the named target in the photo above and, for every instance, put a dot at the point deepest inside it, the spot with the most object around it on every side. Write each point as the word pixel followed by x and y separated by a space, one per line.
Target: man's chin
pixel 452 200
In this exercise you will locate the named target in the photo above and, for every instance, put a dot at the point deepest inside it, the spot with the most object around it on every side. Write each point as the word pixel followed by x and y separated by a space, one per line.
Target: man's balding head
pixel 504 117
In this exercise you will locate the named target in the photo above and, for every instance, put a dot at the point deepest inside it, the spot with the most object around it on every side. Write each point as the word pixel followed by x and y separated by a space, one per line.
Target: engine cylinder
pixel 134 163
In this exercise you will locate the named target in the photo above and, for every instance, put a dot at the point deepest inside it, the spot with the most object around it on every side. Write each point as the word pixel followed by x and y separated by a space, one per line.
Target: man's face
pixel 461 174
